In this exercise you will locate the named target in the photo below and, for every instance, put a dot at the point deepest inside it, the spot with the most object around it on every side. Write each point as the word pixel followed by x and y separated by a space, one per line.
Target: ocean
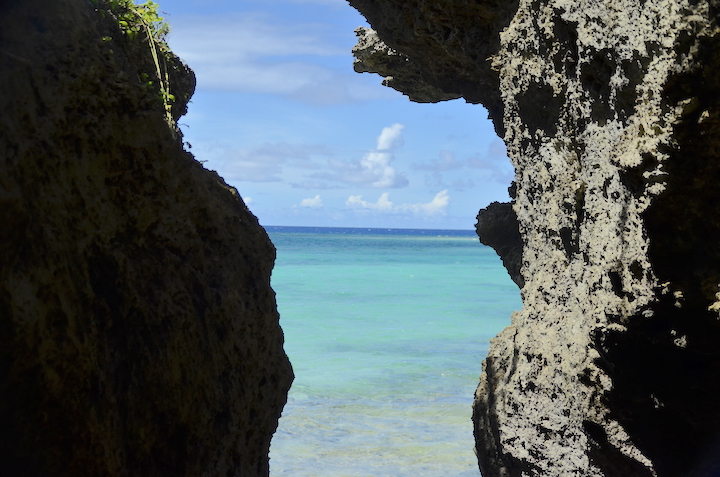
pixel 386 330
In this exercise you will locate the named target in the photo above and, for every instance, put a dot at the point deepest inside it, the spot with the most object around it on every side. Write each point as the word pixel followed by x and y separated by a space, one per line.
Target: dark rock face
pixel 497 226
pixel 402 74
pixel 609 111
pixel 138 331
pixel 446 46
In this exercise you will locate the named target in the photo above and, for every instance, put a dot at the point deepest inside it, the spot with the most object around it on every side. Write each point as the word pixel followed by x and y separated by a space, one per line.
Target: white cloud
pixel 329 87
pixel 374 169
pixel 314 202
pixel 437 206
pixel 390 137
pixel 252 52
pixel 266 162
pixel 257 53
pixel 356 202
pixel 494 163
pixel 246 35
pixel 285 78
pixel 446 162
pixel 462 184
pixel 310 185
pixel 247 200
pixel 376 165
pixel 436 181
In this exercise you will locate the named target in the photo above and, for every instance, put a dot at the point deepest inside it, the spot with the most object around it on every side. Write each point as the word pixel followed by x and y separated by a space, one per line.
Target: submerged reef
pixel 139 334
pixel 609 111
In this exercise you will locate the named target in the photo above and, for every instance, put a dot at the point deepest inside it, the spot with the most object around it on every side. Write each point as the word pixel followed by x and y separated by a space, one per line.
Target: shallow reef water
pixel 386 330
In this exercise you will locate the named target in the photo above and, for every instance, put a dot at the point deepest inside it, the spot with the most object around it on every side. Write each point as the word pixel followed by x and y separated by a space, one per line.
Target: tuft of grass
pixel 134 19
pixel 143 21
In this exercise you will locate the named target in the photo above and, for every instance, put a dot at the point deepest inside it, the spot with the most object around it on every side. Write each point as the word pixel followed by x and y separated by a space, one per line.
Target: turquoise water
pixel 386 330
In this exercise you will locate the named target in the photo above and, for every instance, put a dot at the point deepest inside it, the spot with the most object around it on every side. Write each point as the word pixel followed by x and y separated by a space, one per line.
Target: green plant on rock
pixel 138 21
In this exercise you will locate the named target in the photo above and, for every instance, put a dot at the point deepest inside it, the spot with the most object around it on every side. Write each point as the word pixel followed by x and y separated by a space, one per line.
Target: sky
pixel 280 114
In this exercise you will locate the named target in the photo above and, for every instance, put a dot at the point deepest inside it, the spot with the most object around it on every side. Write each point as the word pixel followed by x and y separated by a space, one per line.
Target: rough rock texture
pixel 445 45
pixel 497 226
pixel 374 56
pixel 609 109
pixel 138 331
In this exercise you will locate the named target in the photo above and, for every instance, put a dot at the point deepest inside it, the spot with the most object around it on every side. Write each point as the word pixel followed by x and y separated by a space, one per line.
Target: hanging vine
pixel 143 21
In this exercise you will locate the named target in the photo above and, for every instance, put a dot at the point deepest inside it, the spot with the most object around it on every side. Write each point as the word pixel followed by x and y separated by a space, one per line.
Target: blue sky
pixel 282 116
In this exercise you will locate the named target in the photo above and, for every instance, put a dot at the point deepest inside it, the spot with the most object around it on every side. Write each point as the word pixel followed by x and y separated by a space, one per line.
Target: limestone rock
pixel 445 42
pixel 374 56
pixel 609 110
pixel 138 331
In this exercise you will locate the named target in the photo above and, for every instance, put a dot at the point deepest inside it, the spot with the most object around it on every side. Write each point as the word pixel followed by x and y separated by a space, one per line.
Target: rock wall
pixel 138 331
pixel 609 110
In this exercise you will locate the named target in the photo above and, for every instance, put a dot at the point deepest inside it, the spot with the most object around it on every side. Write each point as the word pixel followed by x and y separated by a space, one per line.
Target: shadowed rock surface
pixel 138 331
pixel 609 110
pixel 497 226
pixel 445 46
